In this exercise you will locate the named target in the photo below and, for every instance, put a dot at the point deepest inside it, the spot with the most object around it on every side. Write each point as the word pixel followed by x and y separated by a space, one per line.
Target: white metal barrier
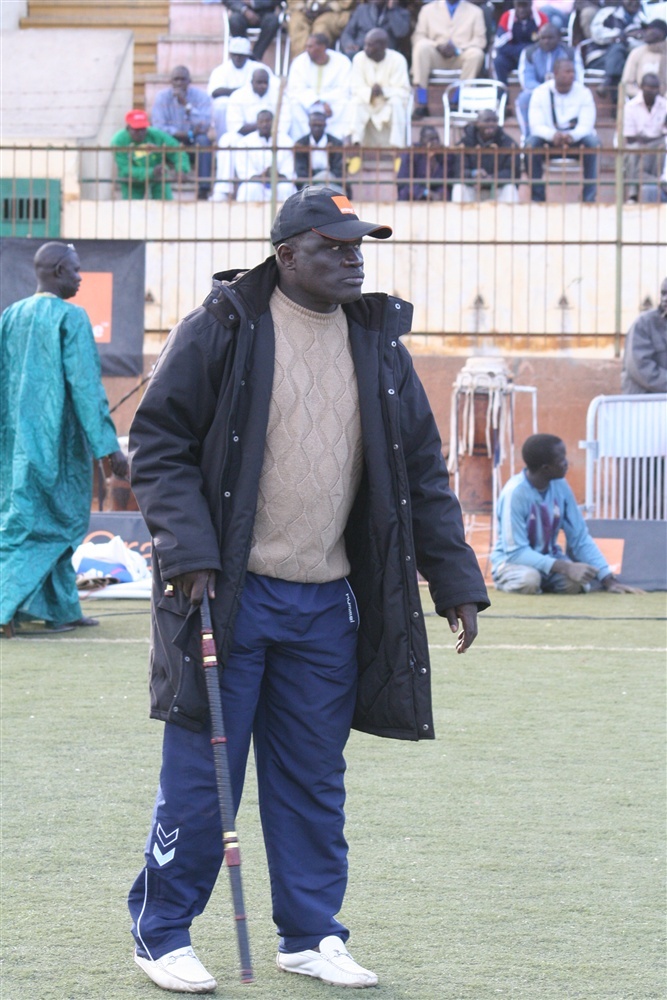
pixel 626 457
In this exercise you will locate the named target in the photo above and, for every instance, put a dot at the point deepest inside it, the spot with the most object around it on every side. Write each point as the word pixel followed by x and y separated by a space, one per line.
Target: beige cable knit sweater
pixel 313 454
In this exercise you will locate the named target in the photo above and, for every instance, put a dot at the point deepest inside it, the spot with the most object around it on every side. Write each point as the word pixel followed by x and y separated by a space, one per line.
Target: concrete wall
pixel 11 12
pixel 65 87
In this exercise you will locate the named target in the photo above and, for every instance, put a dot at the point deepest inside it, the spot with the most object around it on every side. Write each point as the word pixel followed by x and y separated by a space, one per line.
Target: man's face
pixel 317 124
pixel 429 136
pixel 650 89
pixel 375 47
pixel 264 123
pixel 557 466
pixel 324 273
pixel 238 59
pixel 652 36
pixel 487 129
pixel 68 275
pixel 522 8
pixel 260 82
pixel 137 135
pixel 564 77
pixel 180 81
pixel 632 6
pixel 316 50
pixel 548 38
pixel 663 297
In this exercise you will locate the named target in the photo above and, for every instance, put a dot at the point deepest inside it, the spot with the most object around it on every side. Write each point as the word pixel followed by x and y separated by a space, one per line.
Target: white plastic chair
pixel 474 96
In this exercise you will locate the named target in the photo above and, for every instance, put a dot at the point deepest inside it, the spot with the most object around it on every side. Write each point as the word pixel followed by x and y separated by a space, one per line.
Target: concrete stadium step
pixel 128 10
pixel 199 53
pixel 190 17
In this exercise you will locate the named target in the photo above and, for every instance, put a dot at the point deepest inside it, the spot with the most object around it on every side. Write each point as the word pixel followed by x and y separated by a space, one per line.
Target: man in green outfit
pixel 55 419
pixel 143 164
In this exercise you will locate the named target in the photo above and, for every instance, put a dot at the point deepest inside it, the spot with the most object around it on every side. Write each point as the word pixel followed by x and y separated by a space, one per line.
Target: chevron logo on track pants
pixel 164 840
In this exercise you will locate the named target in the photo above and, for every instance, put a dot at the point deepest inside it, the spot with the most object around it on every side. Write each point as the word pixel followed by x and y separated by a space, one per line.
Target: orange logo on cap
pixel 342 204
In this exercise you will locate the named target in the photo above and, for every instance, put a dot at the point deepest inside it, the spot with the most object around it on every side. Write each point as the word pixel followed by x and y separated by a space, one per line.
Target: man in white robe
pixel 319 74
pixel 253 158
pixel 380 91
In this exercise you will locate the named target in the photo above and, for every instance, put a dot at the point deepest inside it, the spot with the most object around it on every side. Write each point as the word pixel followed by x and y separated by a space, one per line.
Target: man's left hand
pixel 119 465
pixel 467 613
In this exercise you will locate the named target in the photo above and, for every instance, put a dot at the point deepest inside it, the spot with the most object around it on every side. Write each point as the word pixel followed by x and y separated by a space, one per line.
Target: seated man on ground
pixel 253 158
pixel 517 29
pixel 387 14
pixel 228 77
pixel 490 167
pixel 312 17
pixel 185 112
pixel 536 66
pixel 648 58
pixel 379 93
pixel 534 506
pixel 145 159
pixel 421 175
pixel 320 74
pixel 450 34
pixel 318 155
pixel 645 127
pixel 262 14
pixel 562 117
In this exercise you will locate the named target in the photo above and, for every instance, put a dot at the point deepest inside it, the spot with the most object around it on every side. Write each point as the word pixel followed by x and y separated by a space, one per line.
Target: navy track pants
pixel 290 683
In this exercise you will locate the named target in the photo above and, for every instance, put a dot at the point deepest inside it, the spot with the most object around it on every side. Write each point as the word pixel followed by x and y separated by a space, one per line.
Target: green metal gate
pixel 30 207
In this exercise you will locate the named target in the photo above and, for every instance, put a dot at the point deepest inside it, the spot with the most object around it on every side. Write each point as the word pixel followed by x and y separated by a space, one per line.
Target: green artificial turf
pixel 520 855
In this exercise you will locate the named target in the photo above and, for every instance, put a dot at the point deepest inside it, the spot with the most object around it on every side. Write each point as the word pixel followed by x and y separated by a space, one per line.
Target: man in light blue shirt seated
pixel 534 506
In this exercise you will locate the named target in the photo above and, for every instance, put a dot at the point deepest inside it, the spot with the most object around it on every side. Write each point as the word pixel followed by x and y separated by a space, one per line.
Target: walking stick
pixel 230 841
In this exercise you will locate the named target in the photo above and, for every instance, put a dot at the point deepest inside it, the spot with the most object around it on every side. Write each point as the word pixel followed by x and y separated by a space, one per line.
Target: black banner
pixel 112 293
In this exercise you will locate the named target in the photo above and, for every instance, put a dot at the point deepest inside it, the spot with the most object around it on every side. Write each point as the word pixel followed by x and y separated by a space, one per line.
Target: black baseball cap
pixel 324 211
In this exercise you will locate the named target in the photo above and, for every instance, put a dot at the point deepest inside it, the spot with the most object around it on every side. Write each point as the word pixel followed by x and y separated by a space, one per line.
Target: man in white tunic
pixel 380 91
pixel 261 93
pixel 319 74
pixel 253 158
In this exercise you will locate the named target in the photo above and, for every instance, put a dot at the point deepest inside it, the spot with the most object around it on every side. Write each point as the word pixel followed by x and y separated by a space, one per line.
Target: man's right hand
pixel 447 50
pixel 577 572
pixel 195 583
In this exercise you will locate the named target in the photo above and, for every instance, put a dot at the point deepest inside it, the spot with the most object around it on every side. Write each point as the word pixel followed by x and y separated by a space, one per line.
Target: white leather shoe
pixel 180 971
pixel 332 964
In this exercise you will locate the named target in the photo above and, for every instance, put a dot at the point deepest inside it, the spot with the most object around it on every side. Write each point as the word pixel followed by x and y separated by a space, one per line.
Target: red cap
pixel 137 119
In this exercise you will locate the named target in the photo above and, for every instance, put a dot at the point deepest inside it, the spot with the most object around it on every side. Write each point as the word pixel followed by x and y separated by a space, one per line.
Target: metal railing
pixel 486 268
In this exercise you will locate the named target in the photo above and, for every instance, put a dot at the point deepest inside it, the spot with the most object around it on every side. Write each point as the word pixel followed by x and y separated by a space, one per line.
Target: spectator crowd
pixel 362 74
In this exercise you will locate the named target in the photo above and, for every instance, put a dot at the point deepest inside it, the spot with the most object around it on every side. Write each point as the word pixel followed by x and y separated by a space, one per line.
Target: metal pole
pixel 619 222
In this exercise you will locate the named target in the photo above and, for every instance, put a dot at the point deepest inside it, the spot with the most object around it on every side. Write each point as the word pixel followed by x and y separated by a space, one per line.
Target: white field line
pixel 478 648
pixel 483 647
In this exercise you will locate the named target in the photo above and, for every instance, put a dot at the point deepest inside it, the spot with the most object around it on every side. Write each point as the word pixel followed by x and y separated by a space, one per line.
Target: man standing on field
pixel 287 461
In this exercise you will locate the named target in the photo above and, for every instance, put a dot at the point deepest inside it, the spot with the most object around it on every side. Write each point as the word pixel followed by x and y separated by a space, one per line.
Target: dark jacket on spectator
pixel 487 155
pixel 395 22
pixel 302 154
pixel 414 171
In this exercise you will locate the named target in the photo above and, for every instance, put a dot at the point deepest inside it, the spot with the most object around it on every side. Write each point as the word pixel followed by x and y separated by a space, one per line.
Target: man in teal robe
pixel 54 419
pixel 146 160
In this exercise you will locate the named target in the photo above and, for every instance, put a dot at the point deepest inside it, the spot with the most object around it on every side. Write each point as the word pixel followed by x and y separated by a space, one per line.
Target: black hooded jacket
pixel 197 449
